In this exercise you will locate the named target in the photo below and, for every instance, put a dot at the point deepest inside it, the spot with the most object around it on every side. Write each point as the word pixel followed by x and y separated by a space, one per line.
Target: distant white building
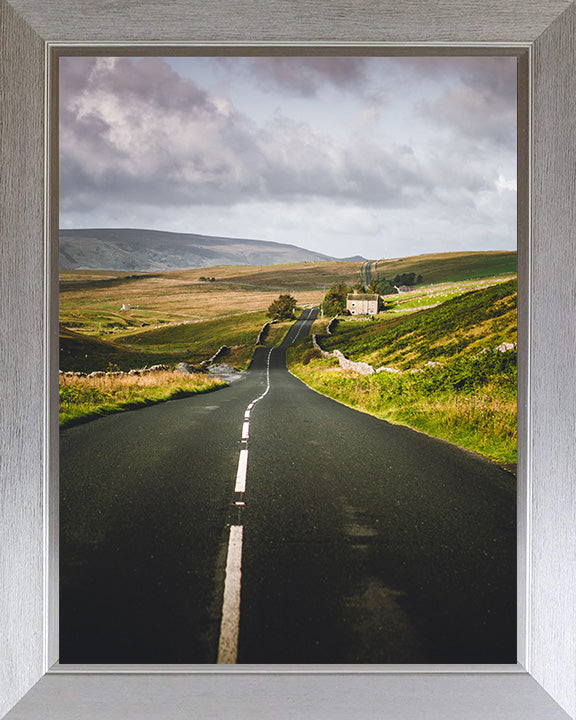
pixel 358 304
pixel 126 307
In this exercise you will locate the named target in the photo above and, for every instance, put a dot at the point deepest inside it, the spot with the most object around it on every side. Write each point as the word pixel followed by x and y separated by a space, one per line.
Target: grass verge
pixel 472 409
pixel 86 398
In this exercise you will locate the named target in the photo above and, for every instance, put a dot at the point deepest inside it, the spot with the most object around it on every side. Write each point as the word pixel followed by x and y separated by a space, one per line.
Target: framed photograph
pixel 280 527
pixel 541 683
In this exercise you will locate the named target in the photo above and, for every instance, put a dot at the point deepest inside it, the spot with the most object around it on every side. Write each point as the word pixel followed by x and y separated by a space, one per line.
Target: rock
pixel 184 368
pixel 226 372
pixel 506 347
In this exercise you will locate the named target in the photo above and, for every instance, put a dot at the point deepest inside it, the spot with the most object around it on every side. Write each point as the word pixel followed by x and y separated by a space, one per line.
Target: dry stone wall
pixel 359 367
pixel 262 334
pixel 116 373
pixel 332 325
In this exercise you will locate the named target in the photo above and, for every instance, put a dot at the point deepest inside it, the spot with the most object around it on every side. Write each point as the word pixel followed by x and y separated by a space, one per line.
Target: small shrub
pixel 310 354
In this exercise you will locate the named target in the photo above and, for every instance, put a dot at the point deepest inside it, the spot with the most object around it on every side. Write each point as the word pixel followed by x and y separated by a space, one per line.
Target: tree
pixel 385 287
pixel 282 308
pixel 407 279
pixel 373 287
pixel 335 299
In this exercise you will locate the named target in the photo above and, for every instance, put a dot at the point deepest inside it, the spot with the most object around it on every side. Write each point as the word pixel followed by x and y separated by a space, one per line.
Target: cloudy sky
pixel 381 157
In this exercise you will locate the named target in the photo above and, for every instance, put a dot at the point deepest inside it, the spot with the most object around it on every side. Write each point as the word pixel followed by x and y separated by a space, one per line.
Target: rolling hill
pixel 156 251
pixel 459 328
pixel 450 266
pixel 449 370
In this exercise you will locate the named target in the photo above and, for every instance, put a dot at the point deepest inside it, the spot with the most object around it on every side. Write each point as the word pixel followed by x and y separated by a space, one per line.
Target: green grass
pixel 451 267
pixel 85 398
pixel 465 324
pixel 190 342
pixel 479 417
pixel 467 398
pixel 276 333
pixel 83 353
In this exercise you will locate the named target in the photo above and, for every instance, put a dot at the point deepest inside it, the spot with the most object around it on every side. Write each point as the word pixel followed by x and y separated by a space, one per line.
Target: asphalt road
pixel 362 542
pixel 367 270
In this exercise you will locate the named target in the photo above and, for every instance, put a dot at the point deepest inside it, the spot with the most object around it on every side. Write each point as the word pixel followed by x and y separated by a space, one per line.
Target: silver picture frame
pixel 543 684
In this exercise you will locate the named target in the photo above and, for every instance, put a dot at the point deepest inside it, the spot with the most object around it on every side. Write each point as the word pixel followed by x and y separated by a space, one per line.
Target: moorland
pixel 444 350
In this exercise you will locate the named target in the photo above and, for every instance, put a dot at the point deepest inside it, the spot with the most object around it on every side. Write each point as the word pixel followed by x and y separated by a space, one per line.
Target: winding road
pixel 266 523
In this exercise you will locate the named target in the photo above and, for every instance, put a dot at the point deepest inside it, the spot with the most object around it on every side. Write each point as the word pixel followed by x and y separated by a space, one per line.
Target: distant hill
pixel 157 251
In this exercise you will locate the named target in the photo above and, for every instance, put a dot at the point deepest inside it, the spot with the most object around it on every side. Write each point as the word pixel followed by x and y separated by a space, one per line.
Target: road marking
pixel 241 472
pixel 230 624
pixel 229 628
pixel 302 326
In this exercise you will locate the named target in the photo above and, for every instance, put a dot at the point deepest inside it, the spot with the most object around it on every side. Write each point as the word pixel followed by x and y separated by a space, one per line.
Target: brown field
pixel 91 301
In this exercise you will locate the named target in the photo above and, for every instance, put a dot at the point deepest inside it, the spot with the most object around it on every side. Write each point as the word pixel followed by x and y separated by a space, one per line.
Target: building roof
pixel 361 297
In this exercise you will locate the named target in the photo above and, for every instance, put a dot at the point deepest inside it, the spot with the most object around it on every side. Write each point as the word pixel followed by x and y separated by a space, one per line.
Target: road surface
pixel 368 272
pixel 266 523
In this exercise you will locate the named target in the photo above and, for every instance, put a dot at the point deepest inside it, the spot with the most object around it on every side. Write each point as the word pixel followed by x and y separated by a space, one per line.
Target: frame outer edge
pixel 21 328
pixel 552 629
pixel 21 83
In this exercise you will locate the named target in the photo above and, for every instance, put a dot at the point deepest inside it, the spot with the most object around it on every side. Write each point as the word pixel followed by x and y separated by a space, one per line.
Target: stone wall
pixel 116 373
pixel 359 367
pixel 262 334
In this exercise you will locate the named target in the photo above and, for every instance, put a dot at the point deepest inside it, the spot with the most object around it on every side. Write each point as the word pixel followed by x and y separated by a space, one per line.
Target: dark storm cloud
pixel 134 131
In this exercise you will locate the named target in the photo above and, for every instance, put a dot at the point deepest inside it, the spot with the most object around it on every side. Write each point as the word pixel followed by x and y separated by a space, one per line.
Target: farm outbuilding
pixel 358 304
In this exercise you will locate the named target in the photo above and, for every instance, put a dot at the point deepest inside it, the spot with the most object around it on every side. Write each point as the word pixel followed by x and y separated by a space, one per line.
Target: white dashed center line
pixel 241 474
pixel 229 628
pixel 228 646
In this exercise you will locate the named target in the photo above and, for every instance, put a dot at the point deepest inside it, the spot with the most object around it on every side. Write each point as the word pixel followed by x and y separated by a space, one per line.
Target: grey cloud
pixel 479 115
pixel 482 106
pixel 122 142
pixel 306 76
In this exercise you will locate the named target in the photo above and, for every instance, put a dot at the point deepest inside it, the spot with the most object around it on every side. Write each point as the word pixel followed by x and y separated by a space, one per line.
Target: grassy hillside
pixel 91 303
pixel 450 267
pixel 130 320
pixel 466 324
pixel 84 354
pixel 198 341
pixel 444 373
pixel 179 316
pixel 188 342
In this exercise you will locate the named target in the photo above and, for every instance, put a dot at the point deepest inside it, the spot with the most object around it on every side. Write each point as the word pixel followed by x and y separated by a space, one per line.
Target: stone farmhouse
pixel 358 304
